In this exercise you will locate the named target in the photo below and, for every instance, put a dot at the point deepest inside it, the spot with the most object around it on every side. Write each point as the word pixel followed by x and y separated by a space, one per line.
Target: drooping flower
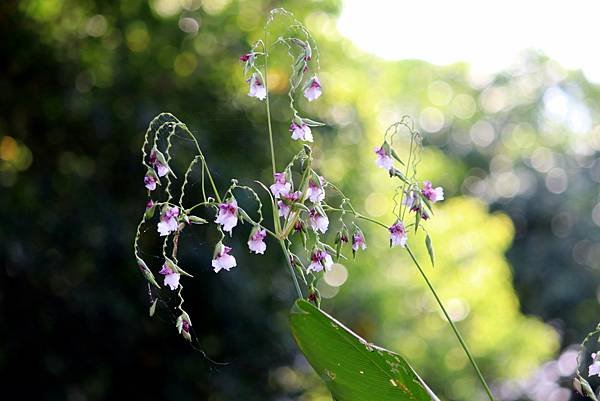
pixel 319 259
pixel 413 202
pixel 171 277
pixel 247 56
pixel 432 194
pixel 410 200
pixel 227 216
pixel 301 131
pixel 183 325
pixel 313 89
pixel 358 241
pixel 398 234
pixel 318 221
pixel 159 163
pixel 281 186
pixel 284 210
pixel 149 212
pixel 594 368
pixel 257 87
pixel 168 221
pixel 151 180
pixel 222 259
pixel 298 226
pixel 256 241
pixel 284 205
pixel 315 191
pixel 384 160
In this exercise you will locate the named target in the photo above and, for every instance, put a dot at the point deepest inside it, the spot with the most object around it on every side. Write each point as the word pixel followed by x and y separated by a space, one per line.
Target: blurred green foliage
pixel 80 80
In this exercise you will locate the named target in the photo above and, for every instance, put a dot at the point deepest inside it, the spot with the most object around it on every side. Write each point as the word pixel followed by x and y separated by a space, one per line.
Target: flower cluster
pixel 300 128
pixel 301 199
pixel 415 199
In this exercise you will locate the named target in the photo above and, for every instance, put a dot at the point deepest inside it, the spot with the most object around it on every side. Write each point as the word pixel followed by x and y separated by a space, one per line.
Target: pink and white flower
pixel 432 194
pixel 227 216
pixel 398 234
pixel 150 180
pixel 318 221
pixel 284 205
pixel 171 277
pixel 313 89
pixel 257 87
pixel 594 368
pixel 284 210
pixel 384 160
pixel 222 259
pixel 168 221
pixel 256 241
pixel 413 202
pixel 157 161
pixel 183 325
pixel 315 191
pixel 410 200
pixel 320 259
pixel 301 131
pixel 281 185
pixel 358 241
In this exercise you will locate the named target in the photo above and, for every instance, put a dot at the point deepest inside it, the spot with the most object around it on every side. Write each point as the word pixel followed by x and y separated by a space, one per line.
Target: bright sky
pixel 489 35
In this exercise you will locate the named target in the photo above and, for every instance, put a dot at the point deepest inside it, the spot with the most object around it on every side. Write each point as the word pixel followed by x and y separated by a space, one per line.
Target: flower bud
pixel 183 325
pixel 150 208
pixel 146 272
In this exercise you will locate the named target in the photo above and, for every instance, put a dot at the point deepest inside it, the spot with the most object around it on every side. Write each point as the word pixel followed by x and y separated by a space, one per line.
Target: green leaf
pixel 153 307
pixel 146 272
pixel 353 369
pixel 312 123
pixel 395 156
pixel 429 246
pixel 587 389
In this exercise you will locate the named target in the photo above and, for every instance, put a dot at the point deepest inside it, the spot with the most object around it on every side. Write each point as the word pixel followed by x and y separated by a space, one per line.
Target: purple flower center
pixel 185 325
pixel 397 229
pixel 318 256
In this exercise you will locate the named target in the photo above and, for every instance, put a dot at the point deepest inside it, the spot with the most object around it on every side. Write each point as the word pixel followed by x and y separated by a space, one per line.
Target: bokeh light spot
pixel 189 25
pixel 337 276
pixel 556 180
pixel 463 106
pixel 376 204
pixel 439 93
pixel 431 119
pixel 166 8
pixel 137 37
pixel 96 26
pixel 185 64
pixel 8 148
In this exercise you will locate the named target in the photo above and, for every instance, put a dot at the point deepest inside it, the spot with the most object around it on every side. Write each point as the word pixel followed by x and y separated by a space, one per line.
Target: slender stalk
pixel 276 221
pixel 292 272
pixel 437 298
pixel 268 103
pixel 204 166
pixel 454 328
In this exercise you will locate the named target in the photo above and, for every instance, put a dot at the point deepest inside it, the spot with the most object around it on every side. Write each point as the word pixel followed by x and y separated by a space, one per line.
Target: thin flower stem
pixel 454 328
pixel 254 223
pixel 265 78
pixel 292 272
